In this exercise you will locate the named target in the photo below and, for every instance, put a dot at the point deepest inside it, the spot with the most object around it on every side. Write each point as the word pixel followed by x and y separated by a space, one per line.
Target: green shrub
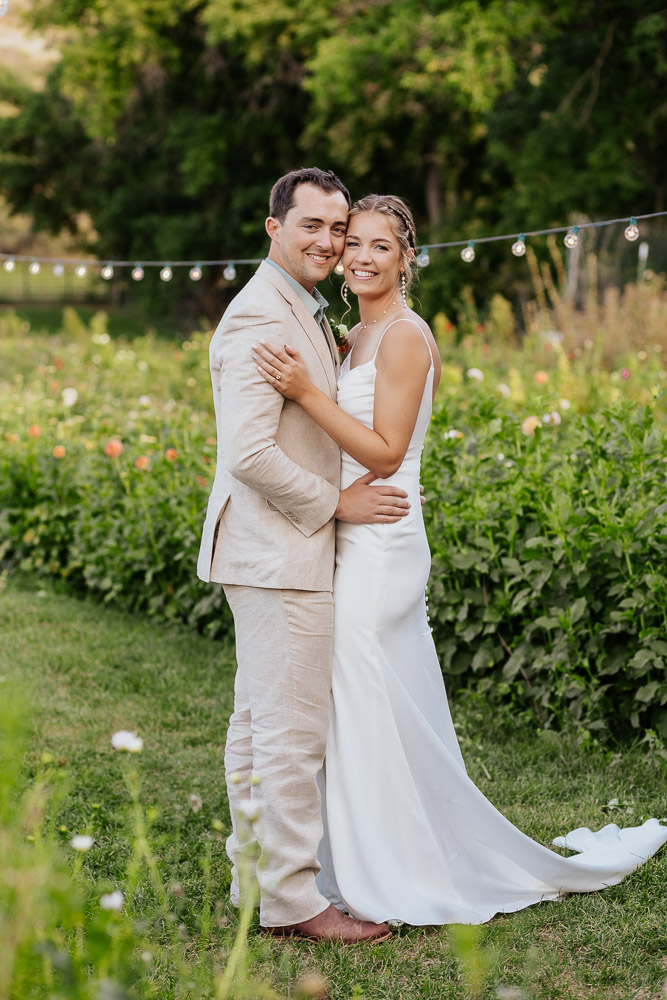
pixel 549 582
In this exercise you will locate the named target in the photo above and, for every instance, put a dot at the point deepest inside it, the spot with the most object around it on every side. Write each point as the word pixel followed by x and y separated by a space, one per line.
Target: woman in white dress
pixel 407 835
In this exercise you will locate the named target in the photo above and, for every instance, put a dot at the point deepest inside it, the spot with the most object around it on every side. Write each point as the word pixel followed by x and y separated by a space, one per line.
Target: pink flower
pixel 113 448
pixel 541 378
pixel 625 373
pixel 530 425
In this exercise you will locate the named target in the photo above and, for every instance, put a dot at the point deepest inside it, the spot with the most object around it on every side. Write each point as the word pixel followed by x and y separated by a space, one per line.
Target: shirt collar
pixel 315 302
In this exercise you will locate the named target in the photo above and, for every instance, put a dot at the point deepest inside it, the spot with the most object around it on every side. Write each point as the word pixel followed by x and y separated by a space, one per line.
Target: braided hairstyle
pixel 402 226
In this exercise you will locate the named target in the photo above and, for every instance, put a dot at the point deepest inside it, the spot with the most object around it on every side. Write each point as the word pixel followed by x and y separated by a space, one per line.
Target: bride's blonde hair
pixel 402 225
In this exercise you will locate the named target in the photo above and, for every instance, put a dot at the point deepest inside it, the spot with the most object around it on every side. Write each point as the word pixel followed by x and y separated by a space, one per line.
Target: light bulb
pixel 59 269
pixel 229 272
pixel 519 247
pixel 571 239
pixel 35 267
pixel 137 272
pixel 107 272
pixel 423 260
pixel 10 265
pixel 632 231
pixel 468 253
pixel 81 271
pixel 166 273
pixel 195 273
pixel 339 269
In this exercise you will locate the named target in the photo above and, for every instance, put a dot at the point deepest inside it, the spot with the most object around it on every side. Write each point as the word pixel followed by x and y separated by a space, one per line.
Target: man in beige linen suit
pixel 269 539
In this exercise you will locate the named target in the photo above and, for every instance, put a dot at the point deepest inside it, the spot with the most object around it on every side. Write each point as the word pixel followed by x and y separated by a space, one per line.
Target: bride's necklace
pixel 364 326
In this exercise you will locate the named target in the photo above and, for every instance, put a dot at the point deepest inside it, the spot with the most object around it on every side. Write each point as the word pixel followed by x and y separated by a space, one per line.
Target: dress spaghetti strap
pixel 407 320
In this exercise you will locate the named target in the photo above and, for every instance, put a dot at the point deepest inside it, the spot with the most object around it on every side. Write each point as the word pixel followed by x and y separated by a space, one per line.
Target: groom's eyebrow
pixel 312 218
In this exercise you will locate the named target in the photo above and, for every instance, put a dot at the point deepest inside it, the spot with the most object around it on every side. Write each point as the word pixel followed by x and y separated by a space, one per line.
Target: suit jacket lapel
pixel 323 344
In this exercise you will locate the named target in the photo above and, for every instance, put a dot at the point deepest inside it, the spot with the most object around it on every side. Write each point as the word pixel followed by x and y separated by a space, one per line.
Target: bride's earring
pixel 404 295
pixel 343 291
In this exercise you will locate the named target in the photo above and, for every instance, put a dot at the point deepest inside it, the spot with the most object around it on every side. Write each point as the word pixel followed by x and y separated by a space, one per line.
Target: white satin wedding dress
pixel 407 835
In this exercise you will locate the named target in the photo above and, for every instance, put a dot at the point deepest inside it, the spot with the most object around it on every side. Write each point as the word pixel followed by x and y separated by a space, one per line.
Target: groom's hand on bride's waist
pixel 362 503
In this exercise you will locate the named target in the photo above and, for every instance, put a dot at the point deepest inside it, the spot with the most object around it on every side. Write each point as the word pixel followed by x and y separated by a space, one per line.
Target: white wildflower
pixel 82 842
pixel 144 400
pixel 251 809
pixel 504 390
pixel 124 740
pixel 100 338
pixel 195 802
pixel 452 433
pixel 476 373
pixel 564 404
pixel 69 395
pixel 112 900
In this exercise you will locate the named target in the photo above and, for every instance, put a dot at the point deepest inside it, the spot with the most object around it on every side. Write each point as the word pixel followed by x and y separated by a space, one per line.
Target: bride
pixel 407 835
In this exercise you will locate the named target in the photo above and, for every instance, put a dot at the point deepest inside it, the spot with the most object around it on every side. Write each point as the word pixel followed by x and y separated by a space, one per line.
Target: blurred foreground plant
pixel 66 934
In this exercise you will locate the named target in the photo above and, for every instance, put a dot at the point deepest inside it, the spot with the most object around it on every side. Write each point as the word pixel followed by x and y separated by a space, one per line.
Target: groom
pixel 269 539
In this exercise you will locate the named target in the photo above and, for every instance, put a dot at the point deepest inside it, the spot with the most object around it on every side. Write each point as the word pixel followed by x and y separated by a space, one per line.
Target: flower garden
pixel 545 472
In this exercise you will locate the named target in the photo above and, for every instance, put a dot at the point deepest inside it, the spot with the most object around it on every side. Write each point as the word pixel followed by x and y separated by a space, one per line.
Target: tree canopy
pixel 166 121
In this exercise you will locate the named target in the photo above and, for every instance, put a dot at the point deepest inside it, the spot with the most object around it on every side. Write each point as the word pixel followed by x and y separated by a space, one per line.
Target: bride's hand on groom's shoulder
pixel 283 368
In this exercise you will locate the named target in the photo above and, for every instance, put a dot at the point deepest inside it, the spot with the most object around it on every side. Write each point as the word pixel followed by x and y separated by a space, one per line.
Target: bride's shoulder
pixel 407 329
pixel 408 337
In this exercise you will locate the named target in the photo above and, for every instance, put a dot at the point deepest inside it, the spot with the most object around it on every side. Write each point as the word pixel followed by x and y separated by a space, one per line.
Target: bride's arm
pixel 402 365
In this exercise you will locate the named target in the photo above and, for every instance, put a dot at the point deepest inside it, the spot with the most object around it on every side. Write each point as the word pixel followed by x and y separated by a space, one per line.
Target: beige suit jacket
pixel 269 521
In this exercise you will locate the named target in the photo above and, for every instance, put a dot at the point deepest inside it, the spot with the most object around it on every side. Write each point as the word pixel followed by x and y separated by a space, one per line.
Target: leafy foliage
pixel 166 123
pixel 548 587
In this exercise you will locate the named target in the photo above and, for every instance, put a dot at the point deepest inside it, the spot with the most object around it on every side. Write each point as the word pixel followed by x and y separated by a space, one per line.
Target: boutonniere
pixel 340 332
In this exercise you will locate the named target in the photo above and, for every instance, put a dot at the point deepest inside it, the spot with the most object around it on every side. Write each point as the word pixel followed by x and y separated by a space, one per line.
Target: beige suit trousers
pixel 284 651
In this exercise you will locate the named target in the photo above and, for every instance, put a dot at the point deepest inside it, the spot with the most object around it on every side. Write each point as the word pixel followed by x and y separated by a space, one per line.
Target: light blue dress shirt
pixel 316 304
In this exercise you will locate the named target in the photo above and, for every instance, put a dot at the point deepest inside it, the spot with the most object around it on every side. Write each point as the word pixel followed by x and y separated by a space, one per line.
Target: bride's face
pixel 372 255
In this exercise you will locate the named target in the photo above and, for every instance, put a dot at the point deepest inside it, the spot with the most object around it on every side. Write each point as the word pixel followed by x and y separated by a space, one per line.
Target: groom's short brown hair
pixel 282 192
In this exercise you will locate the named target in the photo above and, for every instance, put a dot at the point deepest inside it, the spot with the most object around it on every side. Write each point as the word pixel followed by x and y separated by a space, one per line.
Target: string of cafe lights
pixel 110 268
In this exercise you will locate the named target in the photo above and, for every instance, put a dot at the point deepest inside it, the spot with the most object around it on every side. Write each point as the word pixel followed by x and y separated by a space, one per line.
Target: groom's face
pixel 309 242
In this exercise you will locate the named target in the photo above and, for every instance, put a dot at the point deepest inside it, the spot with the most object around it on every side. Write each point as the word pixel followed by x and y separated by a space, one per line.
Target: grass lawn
pixel 89 671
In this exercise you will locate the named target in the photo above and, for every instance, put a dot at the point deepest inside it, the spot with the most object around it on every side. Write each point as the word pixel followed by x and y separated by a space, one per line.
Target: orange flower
pixel 171 454
pixel 143 462
pixel 59 451
pixel 34 430
pixel 541 377
pixel 113 448
pixel 12 438
pixel 530 425
pixel 200 481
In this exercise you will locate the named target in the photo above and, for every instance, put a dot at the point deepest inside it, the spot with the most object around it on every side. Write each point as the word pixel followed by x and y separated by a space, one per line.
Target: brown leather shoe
pixel 332 925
